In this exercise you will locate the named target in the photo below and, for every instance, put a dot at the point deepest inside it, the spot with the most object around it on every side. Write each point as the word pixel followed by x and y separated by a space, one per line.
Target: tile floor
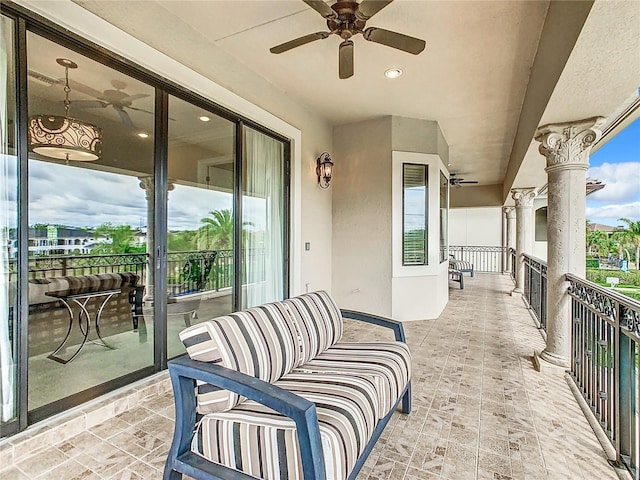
pixel 480 410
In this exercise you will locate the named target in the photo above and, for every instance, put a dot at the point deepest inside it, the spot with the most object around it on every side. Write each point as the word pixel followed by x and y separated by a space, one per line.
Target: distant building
pixel 593 185
pixel 54 240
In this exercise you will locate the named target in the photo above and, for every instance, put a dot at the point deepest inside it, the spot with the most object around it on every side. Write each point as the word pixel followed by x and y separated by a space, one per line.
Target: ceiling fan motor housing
pixel 346 23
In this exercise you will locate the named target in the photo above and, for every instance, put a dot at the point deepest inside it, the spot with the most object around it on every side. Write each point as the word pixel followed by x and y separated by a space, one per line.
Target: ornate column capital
pixel 524 196
pixel 509 212
pixel 567 145
pixel 148 185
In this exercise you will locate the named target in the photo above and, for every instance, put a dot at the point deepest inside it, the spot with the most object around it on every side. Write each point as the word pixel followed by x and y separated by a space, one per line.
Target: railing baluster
pixel 609 379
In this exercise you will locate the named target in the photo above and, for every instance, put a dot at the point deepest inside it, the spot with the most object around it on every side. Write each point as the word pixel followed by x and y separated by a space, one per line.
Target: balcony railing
pixel 201 271
pixel 487 259
pixel 605 354
pixel 535 288
pixel 187 272
pixel 512 254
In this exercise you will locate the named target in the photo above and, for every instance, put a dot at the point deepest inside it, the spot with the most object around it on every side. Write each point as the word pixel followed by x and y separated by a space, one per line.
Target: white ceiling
pixel 472 78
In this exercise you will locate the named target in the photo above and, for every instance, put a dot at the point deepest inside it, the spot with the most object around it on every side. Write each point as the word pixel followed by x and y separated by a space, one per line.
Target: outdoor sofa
pixel 271 392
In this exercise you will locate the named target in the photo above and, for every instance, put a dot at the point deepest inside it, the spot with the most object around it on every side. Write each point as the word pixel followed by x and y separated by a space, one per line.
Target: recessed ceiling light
pixel 143 134
pixel 393 73
pixel 204 118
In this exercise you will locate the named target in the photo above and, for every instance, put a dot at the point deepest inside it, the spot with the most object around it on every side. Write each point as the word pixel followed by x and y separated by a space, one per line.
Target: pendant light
pixel 65 138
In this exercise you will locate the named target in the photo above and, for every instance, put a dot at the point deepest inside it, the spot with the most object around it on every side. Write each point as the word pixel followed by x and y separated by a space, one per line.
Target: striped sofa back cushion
pixel 318 320
pixel 261 342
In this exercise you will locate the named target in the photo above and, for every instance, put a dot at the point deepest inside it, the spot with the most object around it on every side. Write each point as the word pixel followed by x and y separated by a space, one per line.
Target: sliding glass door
pixel 88 222
pixel 132 208
pixel 200 227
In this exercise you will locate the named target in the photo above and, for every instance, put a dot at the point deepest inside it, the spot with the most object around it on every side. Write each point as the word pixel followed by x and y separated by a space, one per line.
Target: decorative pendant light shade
pixel 65 138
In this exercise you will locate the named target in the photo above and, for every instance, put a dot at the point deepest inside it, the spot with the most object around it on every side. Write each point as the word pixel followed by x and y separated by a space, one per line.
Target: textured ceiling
pixel 471 78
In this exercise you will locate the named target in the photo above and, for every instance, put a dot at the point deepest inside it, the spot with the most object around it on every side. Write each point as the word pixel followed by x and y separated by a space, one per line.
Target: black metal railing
pixel 605 344
pixel 199 271
pixel 489 259
pixel 187 272
pixel 61 265
pixel 512 264
pixel 535 288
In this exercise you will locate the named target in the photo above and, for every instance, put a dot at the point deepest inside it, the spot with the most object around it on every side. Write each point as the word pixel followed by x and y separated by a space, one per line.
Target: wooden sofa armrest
pixel 396 326
pixel 184 372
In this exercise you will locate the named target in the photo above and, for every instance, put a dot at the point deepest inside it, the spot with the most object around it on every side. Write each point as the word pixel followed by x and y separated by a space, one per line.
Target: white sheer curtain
pixel 262 212
pixel 7 364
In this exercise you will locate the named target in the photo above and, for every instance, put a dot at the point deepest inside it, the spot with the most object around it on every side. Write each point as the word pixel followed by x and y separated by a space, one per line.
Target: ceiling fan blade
pixel 395 40
pixel 124 116
pixel 345 61
pixel 89 104
pixel 299 42
pixel 140 110
pixel 80 87
pixel 468 181
pixel 321 7
pixel 137 96
pixel 368 8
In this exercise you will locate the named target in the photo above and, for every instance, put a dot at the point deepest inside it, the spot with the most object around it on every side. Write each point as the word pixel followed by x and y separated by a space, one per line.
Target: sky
pixel 617 165
pixel 79 197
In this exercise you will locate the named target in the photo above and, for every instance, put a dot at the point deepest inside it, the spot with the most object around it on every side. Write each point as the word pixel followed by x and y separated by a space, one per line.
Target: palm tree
pixel 216 233
pixel 631 234
pixel 596 240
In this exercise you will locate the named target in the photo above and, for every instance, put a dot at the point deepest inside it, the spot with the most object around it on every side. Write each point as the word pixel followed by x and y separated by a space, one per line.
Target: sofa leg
pixel 170 474
pixel 406 400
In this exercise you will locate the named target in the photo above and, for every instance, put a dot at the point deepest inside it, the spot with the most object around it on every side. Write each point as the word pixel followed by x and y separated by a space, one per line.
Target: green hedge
pixel 600 276
pixel 593 263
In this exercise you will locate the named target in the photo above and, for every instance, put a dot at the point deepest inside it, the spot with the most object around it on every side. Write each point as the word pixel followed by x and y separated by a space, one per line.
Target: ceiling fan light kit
pixel 63 137
pixel 348 18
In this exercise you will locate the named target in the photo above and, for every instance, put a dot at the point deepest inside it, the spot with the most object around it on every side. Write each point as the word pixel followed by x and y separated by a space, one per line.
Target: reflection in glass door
pixel 263 219
pixel 200 224
pixel 88 224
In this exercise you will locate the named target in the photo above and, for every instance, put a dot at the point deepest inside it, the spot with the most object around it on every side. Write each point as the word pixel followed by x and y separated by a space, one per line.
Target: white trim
pixel 84 23
pixel 435 165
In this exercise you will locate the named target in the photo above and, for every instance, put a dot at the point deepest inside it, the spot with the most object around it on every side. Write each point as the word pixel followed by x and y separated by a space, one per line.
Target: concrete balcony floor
pixel 480 410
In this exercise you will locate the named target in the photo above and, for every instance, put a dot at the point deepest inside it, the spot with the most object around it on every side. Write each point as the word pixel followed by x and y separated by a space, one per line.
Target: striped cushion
pixel 387 363
pixel 318 320
pixel 461 265
pixel 261 342
pixel 260 442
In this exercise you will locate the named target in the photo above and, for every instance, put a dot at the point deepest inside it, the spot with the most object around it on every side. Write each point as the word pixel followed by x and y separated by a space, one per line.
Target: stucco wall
pixel 362 216
pixel 475 226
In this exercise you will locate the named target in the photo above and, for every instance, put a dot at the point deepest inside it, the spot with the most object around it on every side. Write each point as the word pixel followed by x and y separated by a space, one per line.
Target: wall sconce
pixel 324 169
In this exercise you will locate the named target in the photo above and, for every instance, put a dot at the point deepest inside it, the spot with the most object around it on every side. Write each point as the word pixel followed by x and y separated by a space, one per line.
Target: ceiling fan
pixel 456 181
pixel 117 99
pixel 348 18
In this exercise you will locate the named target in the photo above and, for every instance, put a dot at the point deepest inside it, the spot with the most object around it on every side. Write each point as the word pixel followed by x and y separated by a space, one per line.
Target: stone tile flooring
pixel 480 410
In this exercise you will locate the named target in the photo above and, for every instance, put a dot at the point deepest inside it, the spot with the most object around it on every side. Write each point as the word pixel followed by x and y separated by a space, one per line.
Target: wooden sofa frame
pixel 184 372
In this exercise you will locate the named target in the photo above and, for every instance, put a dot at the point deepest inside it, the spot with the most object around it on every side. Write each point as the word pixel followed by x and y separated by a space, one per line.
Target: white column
pixel 524 230
pixel 510 215
pixel 146 183
pixel 566 147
